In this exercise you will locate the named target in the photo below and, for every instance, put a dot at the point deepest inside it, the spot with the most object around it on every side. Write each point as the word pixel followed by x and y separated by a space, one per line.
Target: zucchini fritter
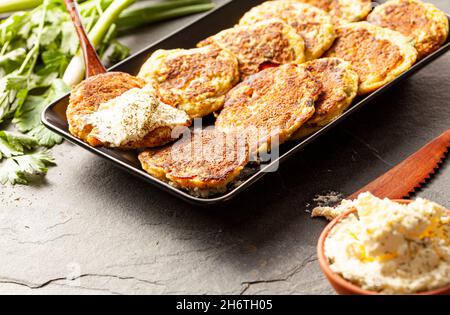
pixel 377 54
pixel 193 80
pixel 313 24
pixel 425 23
pixel 270 105
pixel 339 88
pixel 271 41
pixel 343 10
pixel 203 162
pixel 88 95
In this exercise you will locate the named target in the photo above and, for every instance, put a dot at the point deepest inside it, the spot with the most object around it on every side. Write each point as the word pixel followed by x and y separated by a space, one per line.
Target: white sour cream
pixel 133 115
pixel 392 248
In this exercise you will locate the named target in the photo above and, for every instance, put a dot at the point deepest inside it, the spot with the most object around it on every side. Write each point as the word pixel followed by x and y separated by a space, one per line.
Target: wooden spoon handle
pixel 92 62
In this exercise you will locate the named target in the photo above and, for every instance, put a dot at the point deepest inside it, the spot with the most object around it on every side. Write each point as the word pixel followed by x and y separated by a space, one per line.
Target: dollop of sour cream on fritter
pixel 131 116
pixel 390 247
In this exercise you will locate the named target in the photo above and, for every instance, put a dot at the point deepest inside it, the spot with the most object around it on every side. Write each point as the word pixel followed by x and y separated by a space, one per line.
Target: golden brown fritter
pixel 87 96
pixel 343 10
pixel 194 80
pixel 377 54
pixel 271 41
pixel 339 88
pixel 313 24
pixel 91 95
pixel 425 23
pixel 204 162
pixel 270 105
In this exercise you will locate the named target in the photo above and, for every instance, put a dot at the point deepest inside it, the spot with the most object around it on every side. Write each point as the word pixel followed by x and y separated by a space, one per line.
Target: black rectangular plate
pixel 54 116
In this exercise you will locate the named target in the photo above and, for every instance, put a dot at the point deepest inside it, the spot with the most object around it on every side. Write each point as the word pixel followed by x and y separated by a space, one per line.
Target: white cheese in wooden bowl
pixel 390 247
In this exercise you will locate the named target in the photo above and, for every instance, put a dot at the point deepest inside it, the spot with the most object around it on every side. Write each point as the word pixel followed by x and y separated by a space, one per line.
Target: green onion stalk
pixel 7 6
pixel 147 12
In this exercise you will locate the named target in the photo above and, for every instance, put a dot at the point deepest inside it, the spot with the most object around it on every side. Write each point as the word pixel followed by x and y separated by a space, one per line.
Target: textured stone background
pixel 116 235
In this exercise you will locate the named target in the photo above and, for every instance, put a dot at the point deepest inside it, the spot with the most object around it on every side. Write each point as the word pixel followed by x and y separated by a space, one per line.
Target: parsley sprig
pixel 23 158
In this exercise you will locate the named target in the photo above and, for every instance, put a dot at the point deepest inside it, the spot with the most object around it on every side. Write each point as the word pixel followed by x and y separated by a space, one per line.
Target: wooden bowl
pixel 342 286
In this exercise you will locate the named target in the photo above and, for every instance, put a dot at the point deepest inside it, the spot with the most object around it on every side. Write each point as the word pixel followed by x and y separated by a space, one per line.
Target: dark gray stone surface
pixel 114 234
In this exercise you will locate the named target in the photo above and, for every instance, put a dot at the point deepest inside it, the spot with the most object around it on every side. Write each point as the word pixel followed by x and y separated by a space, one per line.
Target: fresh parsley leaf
pixel 14 143
pixel 10 86
pixel 29 115
pixel 19 99
pixel 54 62
pixel 17 25
pixel 42 79
pixel 12 59
pixel 69 39
pixel 50 34
pixel 9 173
pixel 13 82
pixel 20 169
pixel 45 137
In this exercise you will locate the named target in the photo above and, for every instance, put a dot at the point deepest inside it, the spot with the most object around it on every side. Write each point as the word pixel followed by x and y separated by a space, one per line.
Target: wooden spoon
pixel 91 59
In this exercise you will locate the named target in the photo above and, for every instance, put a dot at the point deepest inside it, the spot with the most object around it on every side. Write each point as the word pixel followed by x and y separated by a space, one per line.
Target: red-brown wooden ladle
pixel 91 59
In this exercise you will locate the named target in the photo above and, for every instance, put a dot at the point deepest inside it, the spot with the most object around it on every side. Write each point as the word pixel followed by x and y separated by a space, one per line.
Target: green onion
pixel 107 19
pixel 140 8
pixel 148 12
pixel 17 5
